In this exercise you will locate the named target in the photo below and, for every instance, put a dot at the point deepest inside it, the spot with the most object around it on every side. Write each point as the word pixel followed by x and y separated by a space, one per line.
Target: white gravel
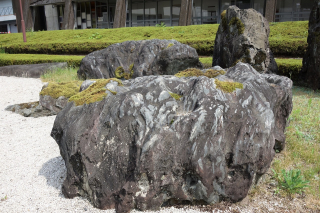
pixel 31 168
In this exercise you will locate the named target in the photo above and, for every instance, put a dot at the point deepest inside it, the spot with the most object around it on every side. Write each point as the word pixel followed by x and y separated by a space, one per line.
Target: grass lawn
pixel 286 38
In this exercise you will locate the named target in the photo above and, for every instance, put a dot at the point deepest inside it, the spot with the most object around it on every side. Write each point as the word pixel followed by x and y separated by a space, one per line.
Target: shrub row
pixel 20 59
pixel 287 67
pixel 286 38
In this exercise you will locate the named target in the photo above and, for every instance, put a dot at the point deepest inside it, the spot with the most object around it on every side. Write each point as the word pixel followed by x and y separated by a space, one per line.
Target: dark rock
pixel 163 140
pixel 147 57
pixel 30 70
pixel 55 105
pixel 243 37
pixel 311 60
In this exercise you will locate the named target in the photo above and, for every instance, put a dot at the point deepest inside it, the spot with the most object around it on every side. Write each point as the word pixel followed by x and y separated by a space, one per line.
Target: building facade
pixel 7 17
pixel 83 14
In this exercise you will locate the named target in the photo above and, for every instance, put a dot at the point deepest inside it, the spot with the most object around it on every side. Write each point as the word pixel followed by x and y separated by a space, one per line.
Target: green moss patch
pixel 196 72
pixel 240 26
pixel 66 89
pixel 211 73
pixel 94 93
pixel 189 73
pixel 175 96
pixel 121 73
pixel 170 45
pixel 228 87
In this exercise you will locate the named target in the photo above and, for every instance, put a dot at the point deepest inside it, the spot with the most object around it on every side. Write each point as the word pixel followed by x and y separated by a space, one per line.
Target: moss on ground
pixel 175 96
pixel 66 89
pixel 94 93
pixel 196 72
pixel 228 87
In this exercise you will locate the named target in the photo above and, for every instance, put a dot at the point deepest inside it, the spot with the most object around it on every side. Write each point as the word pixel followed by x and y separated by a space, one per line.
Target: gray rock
pixel 243 36
pixel 148 57
pixel 145 147
pixel 52 104
pixel 30 70
pixel 26 112
pixel 311 61
pixel 86 84
pixel 31 109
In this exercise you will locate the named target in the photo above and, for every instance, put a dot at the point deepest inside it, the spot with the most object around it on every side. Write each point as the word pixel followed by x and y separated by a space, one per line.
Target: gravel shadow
pixel 54 171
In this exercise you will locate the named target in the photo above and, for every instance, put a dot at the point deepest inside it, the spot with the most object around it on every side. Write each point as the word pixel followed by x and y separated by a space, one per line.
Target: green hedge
pixel 286 38
pixel 19 59
pixel 286 67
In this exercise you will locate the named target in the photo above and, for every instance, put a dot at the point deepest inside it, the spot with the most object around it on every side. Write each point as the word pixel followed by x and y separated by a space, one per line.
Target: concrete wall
pixel 51 17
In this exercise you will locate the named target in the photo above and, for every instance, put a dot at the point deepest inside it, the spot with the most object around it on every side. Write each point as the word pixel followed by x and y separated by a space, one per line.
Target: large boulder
pixel 243 37
pixel 162 140
pixel 311 60
pixel 139 58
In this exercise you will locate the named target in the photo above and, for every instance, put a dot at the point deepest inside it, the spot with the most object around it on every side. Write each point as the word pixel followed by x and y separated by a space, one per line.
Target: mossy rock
pixel 240 26
pixel 211 73
pixel 227 86
pixel 66 89
pixel 94 93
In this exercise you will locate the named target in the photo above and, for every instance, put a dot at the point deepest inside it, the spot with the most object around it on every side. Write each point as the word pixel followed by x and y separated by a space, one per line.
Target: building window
pixel 208 12
pixel 293 10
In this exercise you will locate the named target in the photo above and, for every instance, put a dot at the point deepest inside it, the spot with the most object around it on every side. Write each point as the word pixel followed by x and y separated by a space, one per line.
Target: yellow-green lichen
pixel 175 96
pixel 196 72
pixel 224 20
pixel 240 26
pixel 66 89
pixel 189 72
pixel 121 73
pixel 211 73
pixel 170 45
pixel 94 93
pixel 228 87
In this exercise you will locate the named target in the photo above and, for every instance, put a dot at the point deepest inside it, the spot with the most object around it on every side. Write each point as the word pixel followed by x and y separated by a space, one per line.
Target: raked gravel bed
pixel 32 170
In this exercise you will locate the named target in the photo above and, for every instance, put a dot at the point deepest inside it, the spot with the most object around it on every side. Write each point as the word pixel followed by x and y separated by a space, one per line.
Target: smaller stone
pixel 26 112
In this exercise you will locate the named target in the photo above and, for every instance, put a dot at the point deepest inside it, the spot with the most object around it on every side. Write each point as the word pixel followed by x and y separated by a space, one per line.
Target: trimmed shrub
pixel 287 67
pixel 20 59
pixel 286 38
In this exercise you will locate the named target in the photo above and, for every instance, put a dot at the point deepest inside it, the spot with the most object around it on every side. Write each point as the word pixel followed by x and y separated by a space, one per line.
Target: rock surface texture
pixel 30 70
pixel 243 37
pixel 311 60
pixel 147 57
pixel 162 140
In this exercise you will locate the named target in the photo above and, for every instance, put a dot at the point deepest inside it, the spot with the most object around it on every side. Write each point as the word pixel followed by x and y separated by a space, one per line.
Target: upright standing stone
pixel 243 37
pixel 311 60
